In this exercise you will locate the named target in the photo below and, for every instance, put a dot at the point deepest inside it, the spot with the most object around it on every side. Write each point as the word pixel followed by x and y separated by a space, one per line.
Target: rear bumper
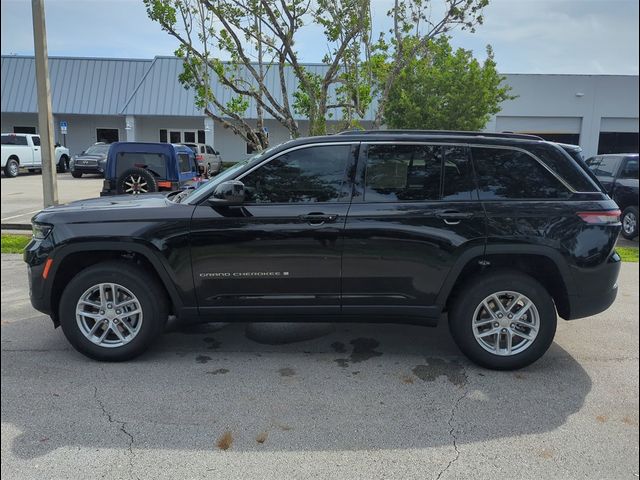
pixel 598 289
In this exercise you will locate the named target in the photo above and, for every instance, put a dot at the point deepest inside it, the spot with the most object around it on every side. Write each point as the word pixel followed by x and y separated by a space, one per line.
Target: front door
pixel 280 252
pixel 415 212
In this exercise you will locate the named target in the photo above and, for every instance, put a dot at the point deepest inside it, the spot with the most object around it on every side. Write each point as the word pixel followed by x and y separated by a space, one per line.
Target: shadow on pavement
pixel 353 386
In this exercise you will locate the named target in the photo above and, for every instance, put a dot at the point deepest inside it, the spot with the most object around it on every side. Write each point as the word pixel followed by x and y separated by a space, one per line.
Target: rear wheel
pixel 630 223
pixel 63 164
pixel 12 168
pixel 503 320
pixel 113 311
pixel 136 181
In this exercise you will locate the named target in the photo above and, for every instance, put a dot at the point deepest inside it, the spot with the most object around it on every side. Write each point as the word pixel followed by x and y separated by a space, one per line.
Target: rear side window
pixel 458 175
pixel 36 141
pixel 512 174
pixel 630 169
pixel 397 173
pixel 13 140
pixel 307 175
pixel 156 163
pixel 607 167
pixel 184 161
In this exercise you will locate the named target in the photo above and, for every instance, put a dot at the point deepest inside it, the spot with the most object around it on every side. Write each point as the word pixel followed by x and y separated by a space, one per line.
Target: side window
pixel 512 174
pixel 13 140
pixel 630 169
pixel 209 149
pixel 313 174
pixel 184 161
pixel 608 166
pixel 403 173
pixel 36 141
pixel 458 175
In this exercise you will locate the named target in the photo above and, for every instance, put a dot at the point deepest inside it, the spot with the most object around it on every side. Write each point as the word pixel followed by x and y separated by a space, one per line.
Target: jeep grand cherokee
pixel 502 232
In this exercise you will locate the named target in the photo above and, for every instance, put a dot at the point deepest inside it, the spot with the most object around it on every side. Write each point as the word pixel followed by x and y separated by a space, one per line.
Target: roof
pixel 92 86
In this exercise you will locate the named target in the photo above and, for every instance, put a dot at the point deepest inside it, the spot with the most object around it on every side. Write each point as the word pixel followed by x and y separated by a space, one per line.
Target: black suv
pixel 500 231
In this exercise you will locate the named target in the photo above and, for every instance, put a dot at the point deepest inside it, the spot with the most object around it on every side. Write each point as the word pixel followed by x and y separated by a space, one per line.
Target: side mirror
pixel 230 192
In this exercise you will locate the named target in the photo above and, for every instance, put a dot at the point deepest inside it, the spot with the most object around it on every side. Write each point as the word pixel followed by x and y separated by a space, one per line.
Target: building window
pixel 618 142
pixel 175 137
pixel 189 137
pixel 201 137
pixel 163 135
pixel 107 135
pixel 31 130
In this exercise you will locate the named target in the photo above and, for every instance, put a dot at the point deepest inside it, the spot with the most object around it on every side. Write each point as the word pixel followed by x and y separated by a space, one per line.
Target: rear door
pixel 415 213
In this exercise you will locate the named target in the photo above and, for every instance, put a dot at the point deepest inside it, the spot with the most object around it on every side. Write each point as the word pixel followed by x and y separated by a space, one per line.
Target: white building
pixel 131 99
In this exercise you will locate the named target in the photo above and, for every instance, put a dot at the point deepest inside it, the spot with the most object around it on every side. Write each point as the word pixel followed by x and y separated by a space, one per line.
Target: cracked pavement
pixel 348 402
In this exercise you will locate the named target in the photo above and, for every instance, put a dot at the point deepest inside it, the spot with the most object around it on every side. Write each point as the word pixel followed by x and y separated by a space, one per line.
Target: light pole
pixel 45 120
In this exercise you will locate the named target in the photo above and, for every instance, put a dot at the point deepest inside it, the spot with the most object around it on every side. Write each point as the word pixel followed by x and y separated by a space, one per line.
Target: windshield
pixel 97 150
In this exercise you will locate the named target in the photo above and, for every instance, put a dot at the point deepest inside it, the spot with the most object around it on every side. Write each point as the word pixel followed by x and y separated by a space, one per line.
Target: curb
pixel 15 226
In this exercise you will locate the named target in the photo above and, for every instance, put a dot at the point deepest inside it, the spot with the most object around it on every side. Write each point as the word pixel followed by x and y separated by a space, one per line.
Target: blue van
pixel 136 167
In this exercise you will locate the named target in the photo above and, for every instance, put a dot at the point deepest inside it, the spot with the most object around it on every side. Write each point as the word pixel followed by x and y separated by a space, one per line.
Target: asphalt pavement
pixel 348 401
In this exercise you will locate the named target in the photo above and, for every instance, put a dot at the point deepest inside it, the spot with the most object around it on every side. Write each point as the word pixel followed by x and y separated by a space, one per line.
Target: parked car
pixel 207 157
pixel 22 151
pixel 618 174
pixel 91 160
pixel 500 232
pixel 136 167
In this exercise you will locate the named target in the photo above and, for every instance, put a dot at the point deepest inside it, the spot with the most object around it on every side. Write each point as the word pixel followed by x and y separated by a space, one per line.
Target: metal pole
pixel 45 120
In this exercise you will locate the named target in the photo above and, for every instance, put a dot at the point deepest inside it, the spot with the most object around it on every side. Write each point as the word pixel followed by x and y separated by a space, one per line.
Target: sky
pixel 527 36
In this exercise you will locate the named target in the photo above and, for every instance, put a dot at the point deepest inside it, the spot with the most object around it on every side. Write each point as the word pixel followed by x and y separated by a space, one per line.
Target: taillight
pixel 606 217
pixel 200 158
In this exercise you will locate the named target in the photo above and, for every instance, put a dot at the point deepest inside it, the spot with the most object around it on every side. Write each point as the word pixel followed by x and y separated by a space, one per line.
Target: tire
pixel 127 277
pixel 12 168
pixel 468 306
pixel 63 164
pixel 136 181
pixel 630 223
pixel 76 174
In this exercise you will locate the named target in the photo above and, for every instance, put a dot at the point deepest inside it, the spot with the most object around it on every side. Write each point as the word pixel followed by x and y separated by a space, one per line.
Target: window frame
pixel 347 185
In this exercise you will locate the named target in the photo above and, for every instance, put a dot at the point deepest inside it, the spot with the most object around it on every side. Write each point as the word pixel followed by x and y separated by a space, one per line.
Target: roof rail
pixel 523 136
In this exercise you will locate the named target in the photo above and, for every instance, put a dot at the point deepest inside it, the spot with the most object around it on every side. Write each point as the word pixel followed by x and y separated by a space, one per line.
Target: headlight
pixel 41 230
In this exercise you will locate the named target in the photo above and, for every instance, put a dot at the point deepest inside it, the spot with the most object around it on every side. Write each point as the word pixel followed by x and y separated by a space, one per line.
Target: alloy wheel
pixel 629 223
pixel 506 323
pixel 136 184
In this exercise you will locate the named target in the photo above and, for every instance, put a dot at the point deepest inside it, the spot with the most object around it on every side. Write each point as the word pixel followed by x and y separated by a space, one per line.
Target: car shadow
pixel 340 387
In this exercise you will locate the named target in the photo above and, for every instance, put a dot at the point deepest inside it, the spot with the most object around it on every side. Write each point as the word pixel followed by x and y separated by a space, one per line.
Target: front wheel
pixel 113 311
pixel 76 174
pixel 630 223
pixel 503 320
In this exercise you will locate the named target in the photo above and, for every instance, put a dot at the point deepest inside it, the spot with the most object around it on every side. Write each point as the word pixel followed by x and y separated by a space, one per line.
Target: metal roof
pixel 92 86
pixel 161 93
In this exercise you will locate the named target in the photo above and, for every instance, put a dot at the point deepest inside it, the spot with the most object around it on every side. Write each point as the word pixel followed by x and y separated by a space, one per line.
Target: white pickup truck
pixel 22 150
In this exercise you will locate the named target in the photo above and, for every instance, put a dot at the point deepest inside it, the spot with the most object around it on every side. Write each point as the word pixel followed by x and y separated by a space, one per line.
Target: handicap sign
pixel 63 127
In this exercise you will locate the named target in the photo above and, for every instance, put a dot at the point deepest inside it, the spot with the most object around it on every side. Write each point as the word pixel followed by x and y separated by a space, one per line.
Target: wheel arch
pixel 72 259
pixel 545 265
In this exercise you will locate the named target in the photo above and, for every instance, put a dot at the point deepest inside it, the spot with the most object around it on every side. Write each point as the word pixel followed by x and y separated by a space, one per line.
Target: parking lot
pixel 355 401
pixel 22 196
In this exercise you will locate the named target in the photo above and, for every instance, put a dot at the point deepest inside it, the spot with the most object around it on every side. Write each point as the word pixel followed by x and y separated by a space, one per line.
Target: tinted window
pixel 13 140
pixel 184 161
pixel 209 149
pixel 458 174
pixel 201 136
pixel 397 173
pixel 189 136
pixel 630 169
pixel 313 174
pixel 36 141
pixel 504 173
pixel 163 136
pixel 607 167
pixel 154 162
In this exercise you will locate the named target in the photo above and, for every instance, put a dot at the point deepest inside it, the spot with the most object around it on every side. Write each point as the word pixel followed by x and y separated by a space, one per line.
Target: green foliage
pixel 446 89
pixel 628 254
pixel 14 243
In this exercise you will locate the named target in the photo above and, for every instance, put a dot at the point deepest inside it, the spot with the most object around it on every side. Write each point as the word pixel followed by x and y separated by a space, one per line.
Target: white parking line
pixel 20 215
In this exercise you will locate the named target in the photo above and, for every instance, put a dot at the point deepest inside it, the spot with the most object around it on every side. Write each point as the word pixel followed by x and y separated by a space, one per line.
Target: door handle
pixel 453 217
pixel 318 218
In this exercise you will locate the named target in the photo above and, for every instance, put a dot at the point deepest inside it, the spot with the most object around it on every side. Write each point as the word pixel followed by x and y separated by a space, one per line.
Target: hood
pixel 103 205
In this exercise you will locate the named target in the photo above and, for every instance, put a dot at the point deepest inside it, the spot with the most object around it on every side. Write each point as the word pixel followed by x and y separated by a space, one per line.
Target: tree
pixel 414 28
pixel 258 36
pixel 448 90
